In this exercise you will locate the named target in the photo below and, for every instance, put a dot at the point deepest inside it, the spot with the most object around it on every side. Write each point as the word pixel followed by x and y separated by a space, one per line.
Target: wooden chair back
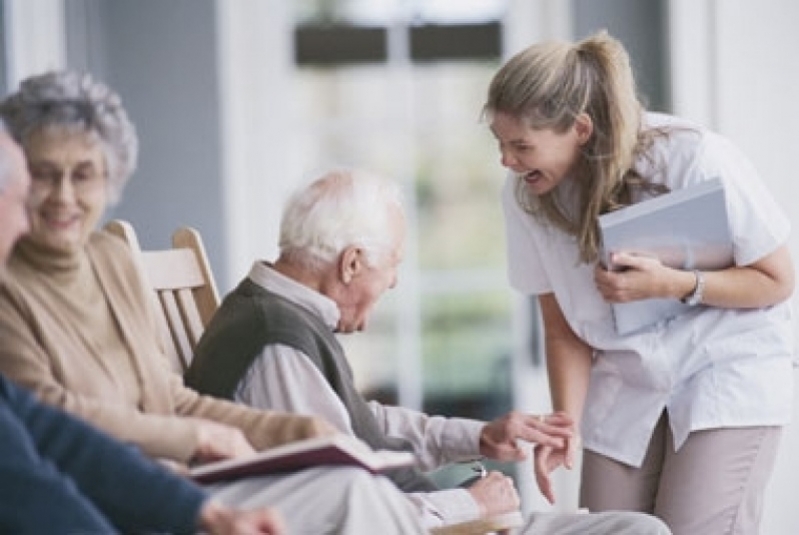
pixel 184 296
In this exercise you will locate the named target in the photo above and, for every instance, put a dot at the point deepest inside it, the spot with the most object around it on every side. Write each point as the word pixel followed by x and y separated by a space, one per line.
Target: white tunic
pixel 710 367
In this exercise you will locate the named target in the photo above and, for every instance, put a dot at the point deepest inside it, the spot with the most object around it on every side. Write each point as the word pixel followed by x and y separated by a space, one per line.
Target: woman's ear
pixel 350 263
pixel 584 127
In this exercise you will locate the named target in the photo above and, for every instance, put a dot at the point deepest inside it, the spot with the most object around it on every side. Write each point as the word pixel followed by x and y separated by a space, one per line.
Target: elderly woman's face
pixel 68 188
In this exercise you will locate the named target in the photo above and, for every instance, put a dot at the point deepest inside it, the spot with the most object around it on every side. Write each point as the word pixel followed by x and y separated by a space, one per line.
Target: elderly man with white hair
pixel 272 345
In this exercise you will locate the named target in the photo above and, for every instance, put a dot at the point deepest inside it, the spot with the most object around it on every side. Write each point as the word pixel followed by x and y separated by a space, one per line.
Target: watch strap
pixel 695 297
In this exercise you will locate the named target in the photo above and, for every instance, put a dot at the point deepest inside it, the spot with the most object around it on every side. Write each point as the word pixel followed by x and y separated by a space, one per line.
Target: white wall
pixel 255 65
pixel 35 38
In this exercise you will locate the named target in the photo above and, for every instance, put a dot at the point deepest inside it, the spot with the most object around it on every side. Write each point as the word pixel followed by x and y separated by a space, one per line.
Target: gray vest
pixel 250 318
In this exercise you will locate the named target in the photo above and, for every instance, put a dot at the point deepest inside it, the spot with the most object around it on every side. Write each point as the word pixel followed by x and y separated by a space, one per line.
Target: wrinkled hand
pixel 217 519
pixel 638 277
pixel 498 438
pixel 547 459
pixel 495 494
pixel 217 441
pixel 318 427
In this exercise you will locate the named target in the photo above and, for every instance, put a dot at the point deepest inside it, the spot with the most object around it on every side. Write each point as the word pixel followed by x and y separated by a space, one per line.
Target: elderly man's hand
pixel 498 439
pixel 495 494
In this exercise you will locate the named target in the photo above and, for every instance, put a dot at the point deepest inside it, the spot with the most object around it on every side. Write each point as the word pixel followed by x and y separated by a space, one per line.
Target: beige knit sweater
pixel 77 330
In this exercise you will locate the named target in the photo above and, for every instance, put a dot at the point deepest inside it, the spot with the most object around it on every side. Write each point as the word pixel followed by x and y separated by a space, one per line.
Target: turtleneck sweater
pixel 77 329
pixel 69 279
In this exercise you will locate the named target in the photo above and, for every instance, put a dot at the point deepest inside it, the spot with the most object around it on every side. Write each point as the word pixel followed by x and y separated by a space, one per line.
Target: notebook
pixel 686 228
pixel 336 449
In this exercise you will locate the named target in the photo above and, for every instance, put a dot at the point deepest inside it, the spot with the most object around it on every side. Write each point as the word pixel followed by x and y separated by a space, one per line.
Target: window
pixel 397 88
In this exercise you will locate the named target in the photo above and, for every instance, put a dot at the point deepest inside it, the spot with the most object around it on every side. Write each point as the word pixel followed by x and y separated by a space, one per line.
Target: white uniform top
pixel 710 367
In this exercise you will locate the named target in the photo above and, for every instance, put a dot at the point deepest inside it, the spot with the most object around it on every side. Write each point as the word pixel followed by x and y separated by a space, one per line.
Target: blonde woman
pixel 681 419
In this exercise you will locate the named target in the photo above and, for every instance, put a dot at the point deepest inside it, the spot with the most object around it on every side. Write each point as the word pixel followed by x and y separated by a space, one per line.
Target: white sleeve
pixel 444 507
pixel 758 224
pixel 526 273
pixel 436 440
pixel 284 379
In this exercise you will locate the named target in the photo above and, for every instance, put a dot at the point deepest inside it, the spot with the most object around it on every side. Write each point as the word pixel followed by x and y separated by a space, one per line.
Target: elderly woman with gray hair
pixel 77 329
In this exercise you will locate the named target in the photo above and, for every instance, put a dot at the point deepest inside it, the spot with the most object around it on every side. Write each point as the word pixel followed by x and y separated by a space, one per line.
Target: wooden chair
pixel 185 296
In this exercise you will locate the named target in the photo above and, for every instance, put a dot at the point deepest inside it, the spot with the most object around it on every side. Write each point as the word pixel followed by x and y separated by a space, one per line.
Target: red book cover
pixel 330 450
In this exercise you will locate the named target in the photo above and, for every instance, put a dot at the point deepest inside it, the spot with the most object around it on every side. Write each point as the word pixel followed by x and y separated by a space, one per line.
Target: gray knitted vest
pixel 250 318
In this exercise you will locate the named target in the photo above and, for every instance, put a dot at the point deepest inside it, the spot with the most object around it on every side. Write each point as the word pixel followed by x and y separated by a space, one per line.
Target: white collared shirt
pixel 283 378
pixel 710 367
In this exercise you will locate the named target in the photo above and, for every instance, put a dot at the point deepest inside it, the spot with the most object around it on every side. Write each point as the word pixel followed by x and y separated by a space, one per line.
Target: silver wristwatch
pixel 695 297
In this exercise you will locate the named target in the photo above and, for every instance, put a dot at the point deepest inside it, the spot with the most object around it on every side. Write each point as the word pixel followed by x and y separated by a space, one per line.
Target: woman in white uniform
pixel 681 419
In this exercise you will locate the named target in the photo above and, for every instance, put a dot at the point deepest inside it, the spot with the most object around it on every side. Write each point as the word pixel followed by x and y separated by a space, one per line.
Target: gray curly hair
pixel 74 100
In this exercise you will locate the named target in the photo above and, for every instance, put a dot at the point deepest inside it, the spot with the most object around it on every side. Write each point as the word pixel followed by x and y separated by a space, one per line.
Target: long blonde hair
pixel 547 86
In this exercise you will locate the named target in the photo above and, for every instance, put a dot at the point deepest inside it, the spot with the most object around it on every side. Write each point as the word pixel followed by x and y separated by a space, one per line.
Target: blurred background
pixel 239 101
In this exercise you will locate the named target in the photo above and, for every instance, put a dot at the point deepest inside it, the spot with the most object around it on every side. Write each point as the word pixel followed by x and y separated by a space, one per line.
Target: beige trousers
pixel 714 484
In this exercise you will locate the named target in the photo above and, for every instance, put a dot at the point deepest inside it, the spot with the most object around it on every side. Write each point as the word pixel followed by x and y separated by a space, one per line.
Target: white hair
pixel 342 208
pixel 74 100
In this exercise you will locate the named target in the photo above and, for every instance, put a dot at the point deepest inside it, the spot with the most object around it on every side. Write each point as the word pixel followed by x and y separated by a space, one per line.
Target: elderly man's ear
pixel 351 263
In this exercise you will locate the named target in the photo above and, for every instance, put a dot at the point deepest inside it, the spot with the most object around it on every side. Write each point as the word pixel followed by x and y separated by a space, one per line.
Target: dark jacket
pixel 58 475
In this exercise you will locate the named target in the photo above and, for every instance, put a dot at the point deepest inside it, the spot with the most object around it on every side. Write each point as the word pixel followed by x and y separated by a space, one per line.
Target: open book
pixel 686 229
pixel 339 449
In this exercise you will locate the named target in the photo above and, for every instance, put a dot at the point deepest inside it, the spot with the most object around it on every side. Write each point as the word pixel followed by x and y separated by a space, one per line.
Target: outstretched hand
pixel 495 494
pixel 498 439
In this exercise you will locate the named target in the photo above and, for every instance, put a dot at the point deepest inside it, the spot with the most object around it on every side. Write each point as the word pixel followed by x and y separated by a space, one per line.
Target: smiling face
pixel 68 188
pixel 543 158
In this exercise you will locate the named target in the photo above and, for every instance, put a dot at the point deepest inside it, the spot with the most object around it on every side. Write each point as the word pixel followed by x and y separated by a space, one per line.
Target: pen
pixel 479 469
pixel 479 473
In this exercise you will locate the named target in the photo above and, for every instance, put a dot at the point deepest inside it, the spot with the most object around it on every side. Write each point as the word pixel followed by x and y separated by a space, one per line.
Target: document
pixel 686 229
pixel 339 449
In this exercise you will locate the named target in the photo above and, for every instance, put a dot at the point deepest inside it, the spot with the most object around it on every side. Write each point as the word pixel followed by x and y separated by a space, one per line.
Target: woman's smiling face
pixel 68 193
pixel 543 158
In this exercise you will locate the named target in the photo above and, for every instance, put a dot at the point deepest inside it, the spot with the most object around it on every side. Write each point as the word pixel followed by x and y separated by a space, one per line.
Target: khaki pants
pixel 714 484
